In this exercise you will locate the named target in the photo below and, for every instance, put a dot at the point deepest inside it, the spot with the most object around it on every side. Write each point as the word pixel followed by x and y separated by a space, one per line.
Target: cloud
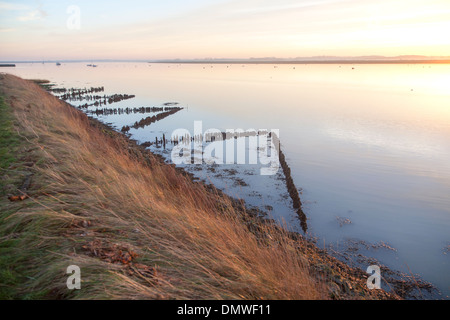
pixel 287 6
pixel 26 13
pixel 7 29
pixel 38 14
pixel 12 6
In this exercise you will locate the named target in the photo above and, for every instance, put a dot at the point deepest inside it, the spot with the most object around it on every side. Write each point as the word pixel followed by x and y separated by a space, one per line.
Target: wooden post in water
pixel 164 141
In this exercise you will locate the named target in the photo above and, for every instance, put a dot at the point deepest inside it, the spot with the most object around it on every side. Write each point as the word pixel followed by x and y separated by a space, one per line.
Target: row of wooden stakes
pixel 151 119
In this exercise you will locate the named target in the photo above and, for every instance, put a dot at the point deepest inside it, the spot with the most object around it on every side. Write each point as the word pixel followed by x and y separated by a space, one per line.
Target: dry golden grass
pixel 137 230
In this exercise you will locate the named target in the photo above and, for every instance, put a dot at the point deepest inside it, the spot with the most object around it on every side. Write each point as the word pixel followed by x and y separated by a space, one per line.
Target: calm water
pixel 369 147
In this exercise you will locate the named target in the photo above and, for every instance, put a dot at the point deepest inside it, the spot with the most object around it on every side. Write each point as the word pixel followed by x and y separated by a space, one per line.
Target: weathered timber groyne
pixel 292 189
pixel 111 111
pixel 168 111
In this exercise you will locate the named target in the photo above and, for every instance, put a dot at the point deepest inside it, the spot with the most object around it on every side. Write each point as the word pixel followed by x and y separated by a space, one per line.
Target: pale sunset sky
pixel 170 29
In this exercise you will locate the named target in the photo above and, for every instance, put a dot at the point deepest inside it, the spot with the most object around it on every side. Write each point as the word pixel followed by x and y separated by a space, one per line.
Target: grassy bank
pixel 137 228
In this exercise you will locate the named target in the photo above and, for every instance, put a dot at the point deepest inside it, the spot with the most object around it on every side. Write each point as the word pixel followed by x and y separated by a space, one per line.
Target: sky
pixel 198 29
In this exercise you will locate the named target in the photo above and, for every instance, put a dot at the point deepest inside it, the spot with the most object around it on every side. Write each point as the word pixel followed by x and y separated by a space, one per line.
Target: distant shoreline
pixel 248 61
pixel 304 62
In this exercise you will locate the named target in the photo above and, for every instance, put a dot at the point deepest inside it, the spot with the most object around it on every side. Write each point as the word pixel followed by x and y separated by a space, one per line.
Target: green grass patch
pixel 9 145
pixel 9 139
pixel 14 256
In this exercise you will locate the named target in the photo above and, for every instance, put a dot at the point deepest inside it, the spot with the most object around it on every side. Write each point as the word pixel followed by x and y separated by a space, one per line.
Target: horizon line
pixel 367 59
